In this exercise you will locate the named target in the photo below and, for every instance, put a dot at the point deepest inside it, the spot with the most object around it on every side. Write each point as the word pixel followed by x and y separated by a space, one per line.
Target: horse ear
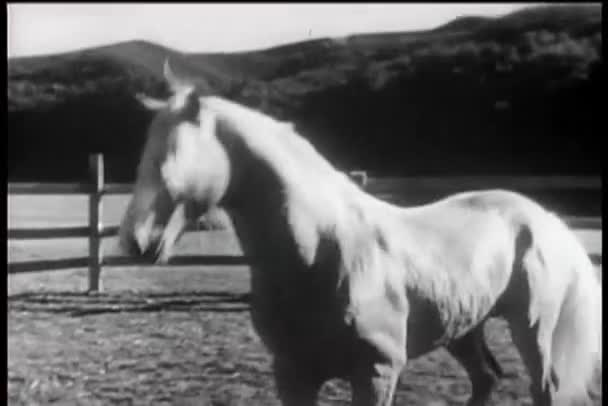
pixel 151 103
pixel 175 83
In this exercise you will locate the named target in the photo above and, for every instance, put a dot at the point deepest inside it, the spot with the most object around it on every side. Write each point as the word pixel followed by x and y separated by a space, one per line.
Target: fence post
pixel 96 172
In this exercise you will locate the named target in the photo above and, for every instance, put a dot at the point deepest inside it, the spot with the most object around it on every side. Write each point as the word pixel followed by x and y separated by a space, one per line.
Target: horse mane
pixel 277 142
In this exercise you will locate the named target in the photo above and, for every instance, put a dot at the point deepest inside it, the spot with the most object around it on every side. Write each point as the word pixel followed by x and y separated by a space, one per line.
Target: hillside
pixel 516 94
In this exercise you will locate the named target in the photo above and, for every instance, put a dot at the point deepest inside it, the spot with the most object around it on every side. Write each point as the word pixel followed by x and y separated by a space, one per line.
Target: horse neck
pixel 276 178
pixel 256 201
pixel 266 150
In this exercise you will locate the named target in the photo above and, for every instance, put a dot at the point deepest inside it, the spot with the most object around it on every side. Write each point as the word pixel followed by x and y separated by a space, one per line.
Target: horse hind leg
pixel 472 352
pixel 525 338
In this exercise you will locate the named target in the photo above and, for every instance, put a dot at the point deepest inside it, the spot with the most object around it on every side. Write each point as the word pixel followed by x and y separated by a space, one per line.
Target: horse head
pixel 183 172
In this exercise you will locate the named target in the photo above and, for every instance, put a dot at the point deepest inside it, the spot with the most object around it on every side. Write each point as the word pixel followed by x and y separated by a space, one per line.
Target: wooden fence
pixel 95 231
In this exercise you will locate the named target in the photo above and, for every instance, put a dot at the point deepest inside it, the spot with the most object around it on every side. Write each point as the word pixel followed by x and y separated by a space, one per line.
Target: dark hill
pixel 512 95
pixel 467 24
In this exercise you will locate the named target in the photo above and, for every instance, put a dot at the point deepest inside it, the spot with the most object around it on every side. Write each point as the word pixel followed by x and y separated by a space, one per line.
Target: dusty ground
pixel 180 337
pixel 175 336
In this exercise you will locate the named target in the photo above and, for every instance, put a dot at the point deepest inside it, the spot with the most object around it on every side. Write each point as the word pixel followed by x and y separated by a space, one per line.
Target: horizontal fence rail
pixel 386 185
pixel 48 265
pixel 48 188
pixel 23 188
pixel 182 260
pixel 380 187
pixel 44 233
pixel 594 223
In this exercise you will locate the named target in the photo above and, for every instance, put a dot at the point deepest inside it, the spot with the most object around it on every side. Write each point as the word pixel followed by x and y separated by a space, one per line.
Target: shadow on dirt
pixel 78 304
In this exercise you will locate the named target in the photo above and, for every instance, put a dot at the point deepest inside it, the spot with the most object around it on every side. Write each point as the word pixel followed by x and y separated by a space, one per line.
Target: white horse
pixel 345 285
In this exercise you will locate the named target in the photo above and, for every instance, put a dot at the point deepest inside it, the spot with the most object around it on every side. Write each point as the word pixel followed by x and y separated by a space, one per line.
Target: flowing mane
pixel 276 141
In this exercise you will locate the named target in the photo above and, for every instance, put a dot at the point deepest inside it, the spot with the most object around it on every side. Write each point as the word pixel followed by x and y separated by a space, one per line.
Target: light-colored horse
pixel 345 285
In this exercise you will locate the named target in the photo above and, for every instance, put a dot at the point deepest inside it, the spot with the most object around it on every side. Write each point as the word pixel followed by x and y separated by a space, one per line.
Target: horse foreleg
pixel 380 350
pixel 472 352
pixel 374 384
pixel 296 386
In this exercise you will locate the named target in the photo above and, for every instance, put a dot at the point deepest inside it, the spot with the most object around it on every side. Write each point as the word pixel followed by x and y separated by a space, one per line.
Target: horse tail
pixel 566 302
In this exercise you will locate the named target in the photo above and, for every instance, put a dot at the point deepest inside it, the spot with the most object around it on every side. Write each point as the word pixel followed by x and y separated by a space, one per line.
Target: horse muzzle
pixel 149 248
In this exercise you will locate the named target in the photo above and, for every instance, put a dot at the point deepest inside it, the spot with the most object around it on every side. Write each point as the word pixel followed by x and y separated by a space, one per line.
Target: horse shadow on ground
pixel 78 304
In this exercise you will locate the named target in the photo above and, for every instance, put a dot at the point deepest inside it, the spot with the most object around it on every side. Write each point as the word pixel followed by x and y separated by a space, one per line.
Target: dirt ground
pixel 182 337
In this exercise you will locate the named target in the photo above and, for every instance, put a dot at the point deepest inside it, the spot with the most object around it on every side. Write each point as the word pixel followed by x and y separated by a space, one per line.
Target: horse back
pixel 452 259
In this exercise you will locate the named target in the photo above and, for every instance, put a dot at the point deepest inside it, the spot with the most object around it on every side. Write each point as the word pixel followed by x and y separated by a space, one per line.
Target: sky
pixel 44 28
